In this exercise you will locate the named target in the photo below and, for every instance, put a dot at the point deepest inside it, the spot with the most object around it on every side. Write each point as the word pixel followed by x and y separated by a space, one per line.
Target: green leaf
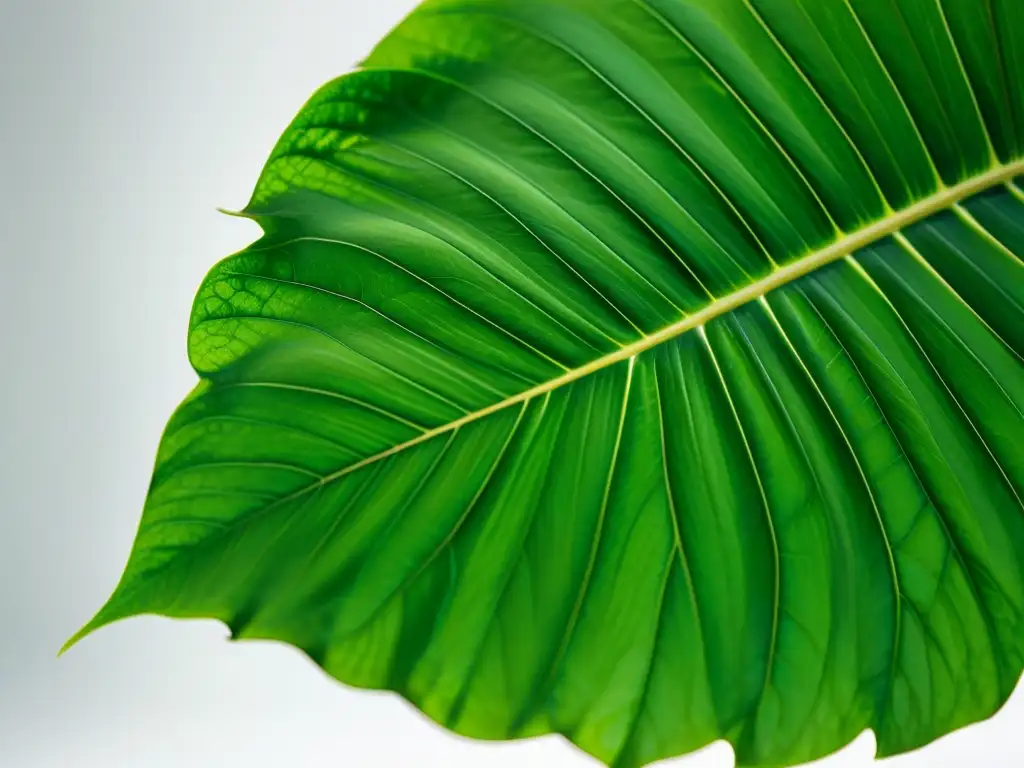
pixel 646 371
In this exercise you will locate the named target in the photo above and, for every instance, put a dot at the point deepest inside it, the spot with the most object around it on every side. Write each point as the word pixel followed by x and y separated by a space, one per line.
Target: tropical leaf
pixel 646 371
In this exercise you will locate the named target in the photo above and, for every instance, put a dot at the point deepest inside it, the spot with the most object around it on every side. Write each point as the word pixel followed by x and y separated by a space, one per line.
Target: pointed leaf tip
pixel 236 214
pixel 74 639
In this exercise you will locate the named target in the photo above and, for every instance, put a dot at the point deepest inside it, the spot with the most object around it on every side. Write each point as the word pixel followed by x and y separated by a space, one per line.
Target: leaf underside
pixel 646 371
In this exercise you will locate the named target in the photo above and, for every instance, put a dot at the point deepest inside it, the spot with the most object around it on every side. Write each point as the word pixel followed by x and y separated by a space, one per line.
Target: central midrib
pixel 838 249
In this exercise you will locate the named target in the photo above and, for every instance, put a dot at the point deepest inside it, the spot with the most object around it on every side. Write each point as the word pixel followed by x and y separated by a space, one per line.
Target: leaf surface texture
pixel 646 371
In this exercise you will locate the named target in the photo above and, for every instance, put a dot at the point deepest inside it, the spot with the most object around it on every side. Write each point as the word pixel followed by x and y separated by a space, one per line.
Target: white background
pixel 124 123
